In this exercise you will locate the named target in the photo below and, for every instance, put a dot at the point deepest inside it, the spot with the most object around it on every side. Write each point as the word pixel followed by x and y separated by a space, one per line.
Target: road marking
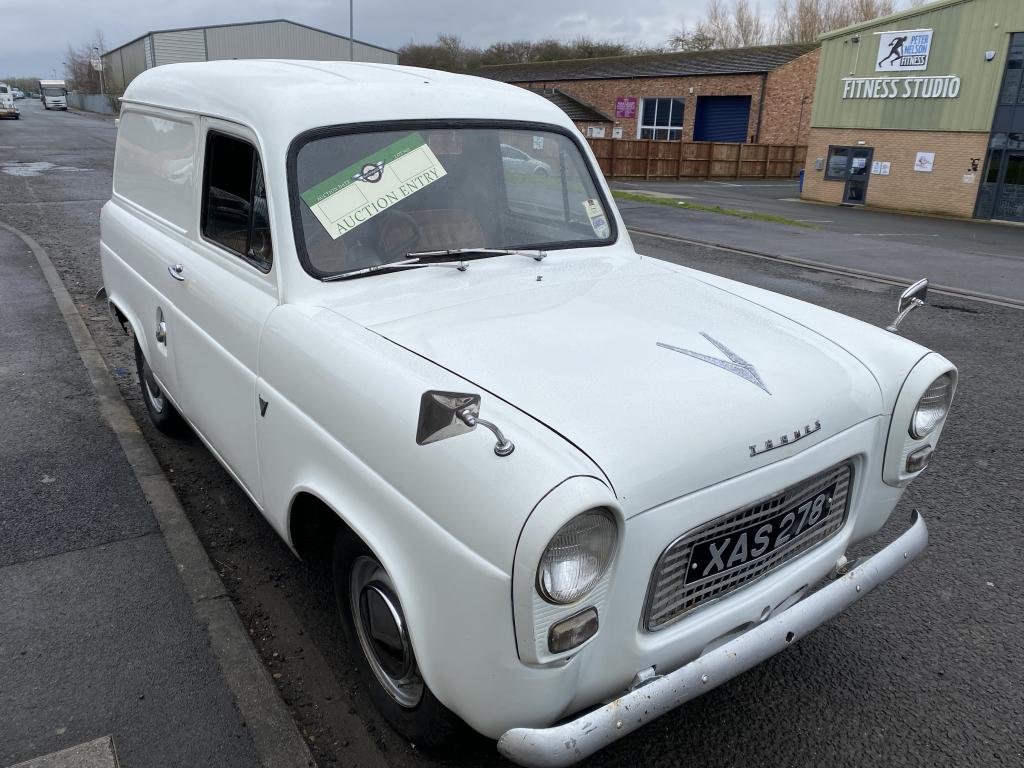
pixel 891 234
pixel 98 753
pixel 815 221
pixel 945 290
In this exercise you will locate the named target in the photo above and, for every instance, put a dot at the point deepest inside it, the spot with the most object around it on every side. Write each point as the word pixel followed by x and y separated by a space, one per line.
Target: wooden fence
pixel 648 159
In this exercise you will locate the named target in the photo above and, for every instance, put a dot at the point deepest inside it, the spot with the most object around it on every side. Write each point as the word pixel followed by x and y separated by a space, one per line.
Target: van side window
pixel 235 211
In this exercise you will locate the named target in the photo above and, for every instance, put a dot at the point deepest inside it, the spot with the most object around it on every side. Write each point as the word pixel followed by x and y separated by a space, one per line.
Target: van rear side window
pixel 235 200
pixel 154 166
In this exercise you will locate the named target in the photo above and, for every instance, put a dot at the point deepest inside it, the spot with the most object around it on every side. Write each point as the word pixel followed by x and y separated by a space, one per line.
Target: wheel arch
pixel 129 322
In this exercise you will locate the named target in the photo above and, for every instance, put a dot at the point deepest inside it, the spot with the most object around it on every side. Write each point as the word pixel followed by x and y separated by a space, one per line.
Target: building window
pixel 235 200
pixel 1012 91
pixel 661 119
pixel 837 164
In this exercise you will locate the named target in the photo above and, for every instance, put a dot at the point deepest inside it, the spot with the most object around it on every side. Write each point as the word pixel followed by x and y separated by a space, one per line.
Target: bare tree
pixel 78 70
pixel 725 25
pixel 749 28
pixel 451 54
pixel 739 23
pixel 696 39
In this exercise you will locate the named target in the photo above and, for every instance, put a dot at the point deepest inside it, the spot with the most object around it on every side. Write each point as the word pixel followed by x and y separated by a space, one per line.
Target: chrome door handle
pixel 176 271
pixel 161 332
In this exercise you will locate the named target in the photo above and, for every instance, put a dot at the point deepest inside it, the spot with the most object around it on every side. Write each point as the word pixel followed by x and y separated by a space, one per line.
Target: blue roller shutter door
pixel 722 118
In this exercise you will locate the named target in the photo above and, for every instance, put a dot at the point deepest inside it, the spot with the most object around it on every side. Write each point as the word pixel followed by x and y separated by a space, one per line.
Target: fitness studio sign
pixel 933 87
pixel 903 51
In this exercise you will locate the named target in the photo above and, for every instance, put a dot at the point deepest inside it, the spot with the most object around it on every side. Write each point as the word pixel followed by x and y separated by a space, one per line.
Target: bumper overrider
pixel 576 739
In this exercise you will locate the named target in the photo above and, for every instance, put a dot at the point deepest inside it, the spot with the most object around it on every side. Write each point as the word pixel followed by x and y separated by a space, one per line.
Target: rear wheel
pixel 375 627
pixel 163 415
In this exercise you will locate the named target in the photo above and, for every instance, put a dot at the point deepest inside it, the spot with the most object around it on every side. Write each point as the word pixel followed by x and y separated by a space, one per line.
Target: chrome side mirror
pixel 910 299
pixel 450 414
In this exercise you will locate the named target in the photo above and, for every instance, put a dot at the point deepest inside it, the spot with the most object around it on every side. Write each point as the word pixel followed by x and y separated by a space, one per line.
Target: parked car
pixel 563 488
pixel 7 106
pixel 17 93
pixel 517 161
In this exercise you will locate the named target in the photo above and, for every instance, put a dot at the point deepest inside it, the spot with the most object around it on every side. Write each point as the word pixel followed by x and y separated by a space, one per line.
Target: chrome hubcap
pixel 382 632
pixel 152 389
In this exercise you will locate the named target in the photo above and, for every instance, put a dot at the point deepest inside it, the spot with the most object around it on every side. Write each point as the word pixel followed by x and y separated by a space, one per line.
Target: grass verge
pixel 672 202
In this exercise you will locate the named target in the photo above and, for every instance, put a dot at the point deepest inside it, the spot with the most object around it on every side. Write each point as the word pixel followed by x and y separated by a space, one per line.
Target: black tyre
pixel 163 415
pixel 379 641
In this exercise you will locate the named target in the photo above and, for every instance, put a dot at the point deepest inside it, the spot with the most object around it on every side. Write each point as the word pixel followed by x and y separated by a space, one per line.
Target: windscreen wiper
pixel 404 264
pixel 415 259
pixel 533 253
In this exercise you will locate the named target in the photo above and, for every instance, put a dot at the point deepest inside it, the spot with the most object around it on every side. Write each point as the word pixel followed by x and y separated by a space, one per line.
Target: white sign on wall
pixel 903 51
pixel 926 87
pixel 925 162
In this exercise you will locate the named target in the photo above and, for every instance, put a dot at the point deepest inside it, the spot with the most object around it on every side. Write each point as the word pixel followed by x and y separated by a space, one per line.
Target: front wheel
pixel 375 627
pixel 163 415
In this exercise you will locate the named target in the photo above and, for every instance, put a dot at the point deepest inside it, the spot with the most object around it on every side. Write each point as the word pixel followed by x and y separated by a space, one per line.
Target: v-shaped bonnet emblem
pixel 734 363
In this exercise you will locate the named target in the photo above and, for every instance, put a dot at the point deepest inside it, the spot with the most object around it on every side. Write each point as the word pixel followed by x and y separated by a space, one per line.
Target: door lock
pixel 161 327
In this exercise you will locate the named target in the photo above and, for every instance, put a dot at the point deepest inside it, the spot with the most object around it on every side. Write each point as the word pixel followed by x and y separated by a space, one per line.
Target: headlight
pixel 577 557
pixel 932 407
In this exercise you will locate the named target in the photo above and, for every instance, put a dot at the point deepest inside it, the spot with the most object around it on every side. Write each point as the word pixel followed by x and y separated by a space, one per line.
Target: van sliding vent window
pixel 235 211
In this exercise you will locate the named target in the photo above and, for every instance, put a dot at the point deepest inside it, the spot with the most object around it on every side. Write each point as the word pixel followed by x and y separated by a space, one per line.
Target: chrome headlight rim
pixel 602 516
pixel 920 431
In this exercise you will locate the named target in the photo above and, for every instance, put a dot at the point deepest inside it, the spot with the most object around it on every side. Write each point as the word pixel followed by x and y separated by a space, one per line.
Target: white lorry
pixel 53 94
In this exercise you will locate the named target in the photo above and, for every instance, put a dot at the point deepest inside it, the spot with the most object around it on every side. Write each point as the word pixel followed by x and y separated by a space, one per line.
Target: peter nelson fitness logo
pixel 905 51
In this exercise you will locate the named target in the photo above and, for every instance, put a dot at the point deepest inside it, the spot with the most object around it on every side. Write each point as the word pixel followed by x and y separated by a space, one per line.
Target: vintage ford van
pixel 563 487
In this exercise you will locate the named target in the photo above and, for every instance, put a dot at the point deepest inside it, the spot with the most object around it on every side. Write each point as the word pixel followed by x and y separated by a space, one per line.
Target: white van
pixel 7 106
pixel 54 94
pixel 334 272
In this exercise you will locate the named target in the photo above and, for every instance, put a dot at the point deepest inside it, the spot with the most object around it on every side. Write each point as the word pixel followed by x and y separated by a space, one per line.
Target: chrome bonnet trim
pixel 576 739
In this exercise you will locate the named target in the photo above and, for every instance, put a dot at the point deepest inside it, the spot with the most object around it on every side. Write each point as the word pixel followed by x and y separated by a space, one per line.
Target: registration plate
pixel 724 554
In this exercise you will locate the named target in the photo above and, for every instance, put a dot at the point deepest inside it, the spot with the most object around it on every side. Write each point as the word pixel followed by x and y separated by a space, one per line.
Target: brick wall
pixel 781 122
pixel 601 94
pixel 789 96
pixel 951 188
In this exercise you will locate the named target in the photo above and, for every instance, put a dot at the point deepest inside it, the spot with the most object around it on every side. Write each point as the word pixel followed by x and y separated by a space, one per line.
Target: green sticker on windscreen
pixel 356 194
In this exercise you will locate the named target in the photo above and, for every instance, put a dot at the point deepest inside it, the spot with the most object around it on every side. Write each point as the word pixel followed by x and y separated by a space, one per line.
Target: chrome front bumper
pixel 576 739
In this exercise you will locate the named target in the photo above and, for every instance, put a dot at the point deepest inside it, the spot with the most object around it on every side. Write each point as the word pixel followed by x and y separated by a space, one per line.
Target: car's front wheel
pixel 378 634
pixel 163 415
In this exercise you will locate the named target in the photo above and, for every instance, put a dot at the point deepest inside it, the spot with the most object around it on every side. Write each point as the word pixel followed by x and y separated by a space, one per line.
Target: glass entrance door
pixel 1002 187
pixel 858 175
pixel 1010 197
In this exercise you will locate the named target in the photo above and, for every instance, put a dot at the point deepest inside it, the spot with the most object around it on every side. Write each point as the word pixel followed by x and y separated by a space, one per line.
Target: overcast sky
pixel 36 32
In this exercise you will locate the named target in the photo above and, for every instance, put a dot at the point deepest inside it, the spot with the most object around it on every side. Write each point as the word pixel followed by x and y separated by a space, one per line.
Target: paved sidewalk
pixel 975 257
pixel 98 637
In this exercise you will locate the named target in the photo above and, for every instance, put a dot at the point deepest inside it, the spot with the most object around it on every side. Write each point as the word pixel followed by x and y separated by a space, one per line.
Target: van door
pixel 147 229
pixel 227 290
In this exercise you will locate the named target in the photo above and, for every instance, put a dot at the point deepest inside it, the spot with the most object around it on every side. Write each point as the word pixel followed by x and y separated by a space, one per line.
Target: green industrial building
pixel 923 111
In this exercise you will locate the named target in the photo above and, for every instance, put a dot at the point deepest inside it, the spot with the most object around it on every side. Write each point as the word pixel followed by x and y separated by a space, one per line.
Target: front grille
pixel 669 597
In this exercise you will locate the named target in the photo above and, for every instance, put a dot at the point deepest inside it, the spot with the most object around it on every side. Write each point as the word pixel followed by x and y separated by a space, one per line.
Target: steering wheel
pixel 398 234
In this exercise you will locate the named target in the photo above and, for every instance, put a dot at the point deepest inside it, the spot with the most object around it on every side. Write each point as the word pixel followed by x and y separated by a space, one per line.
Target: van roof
pixel 286 97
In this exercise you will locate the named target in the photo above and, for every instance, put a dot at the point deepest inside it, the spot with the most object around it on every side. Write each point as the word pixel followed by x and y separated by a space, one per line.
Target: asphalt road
pixel 974 256
pixel 925 671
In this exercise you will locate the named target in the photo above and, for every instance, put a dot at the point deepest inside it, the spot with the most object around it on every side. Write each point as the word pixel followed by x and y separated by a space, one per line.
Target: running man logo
pixel 903 51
